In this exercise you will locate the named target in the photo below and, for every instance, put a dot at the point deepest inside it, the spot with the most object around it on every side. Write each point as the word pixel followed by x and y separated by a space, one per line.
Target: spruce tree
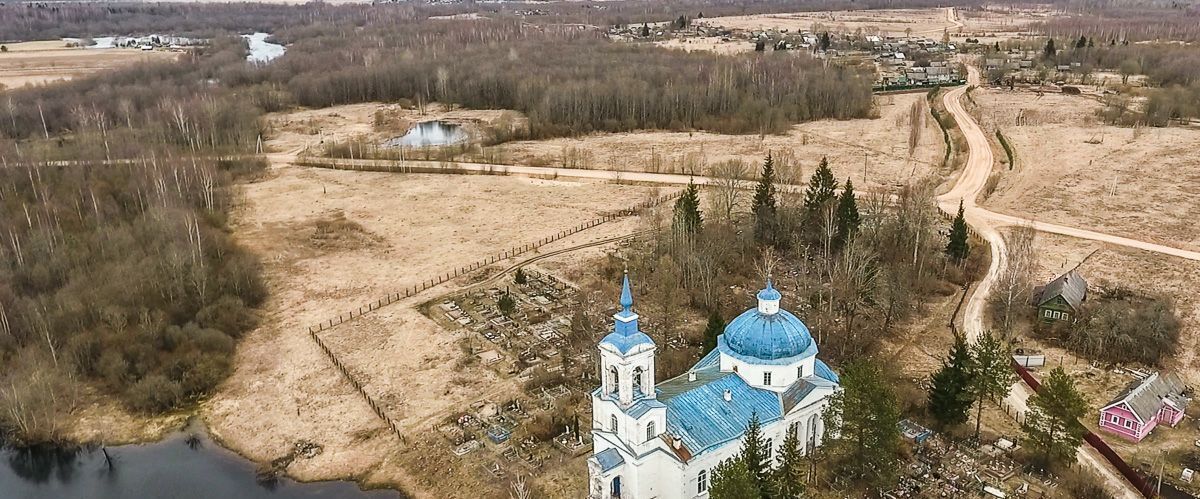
pixel 754 451
pixel 715 327
pixel 822 188
pixel 764 203
pixel 1050 51
pixel 1052 428
pixel 732 480
pixel 950 396
pixel 520 278
pixel 687 211
pixel 992 375
pixel 848 219
pixel 1081 43
pixel 645 30
pixel 860 423
pixel 958 247
pixel 787 479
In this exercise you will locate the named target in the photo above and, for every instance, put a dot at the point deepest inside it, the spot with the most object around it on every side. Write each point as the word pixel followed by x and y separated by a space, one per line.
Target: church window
pixel 612 423
pixel 650 431
pixel 613 379
pixel 702 482
pixel 768 447
pixel 767 378
pixel 637 379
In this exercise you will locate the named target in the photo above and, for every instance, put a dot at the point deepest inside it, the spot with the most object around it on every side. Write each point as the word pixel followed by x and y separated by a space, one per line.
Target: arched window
pixel 769 447
pixel 637 379
pixel 614 379
pixel 702 482
pixel 612 423
pixel 650 431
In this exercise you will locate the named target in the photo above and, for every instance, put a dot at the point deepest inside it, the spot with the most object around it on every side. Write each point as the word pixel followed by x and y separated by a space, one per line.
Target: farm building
pixel 1156 399
pixel 1060 299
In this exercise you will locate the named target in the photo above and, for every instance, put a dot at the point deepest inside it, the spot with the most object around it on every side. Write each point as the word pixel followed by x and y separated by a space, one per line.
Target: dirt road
pixel 966 190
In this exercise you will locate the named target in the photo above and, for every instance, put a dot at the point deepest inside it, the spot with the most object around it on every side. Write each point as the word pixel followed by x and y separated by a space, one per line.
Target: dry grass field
pixel 33 63
pixel 331 241
pixel 1073 170
pixel 921 22
pixel 880 144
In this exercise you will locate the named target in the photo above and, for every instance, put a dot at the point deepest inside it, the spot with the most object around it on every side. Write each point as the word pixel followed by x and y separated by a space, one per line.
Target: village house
pixel 1156 399
pixel 1060 299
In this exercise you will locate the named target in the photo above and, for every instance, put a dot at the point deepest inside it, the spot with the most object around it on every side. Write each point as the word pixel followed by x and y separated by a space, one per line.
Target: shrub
pixel 154 393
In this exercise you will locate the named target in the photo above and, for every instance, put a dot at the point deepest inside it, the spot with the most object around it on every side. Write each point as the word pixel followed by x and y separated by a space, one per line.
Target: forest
pixel 569 82
pixel 122 274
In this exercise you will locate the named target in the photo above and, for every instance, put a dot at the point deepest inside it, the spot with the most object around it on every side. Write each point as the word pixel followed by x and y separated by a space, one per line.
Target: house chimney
pixel 676 442
pixel 691 375
pixel 728 396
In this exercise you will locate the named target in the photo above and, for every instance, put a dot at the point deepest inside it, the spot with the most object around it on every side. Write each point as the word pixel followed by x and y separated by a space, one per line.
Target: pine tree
pixel 1050 51
pixel 992 375
pixel 958 247
pixel 787 479
pixel 1052 428
pixel 860 424
pixel 950 397
pixel 822 188
pixel 764 203
pixel 715 327
pixel 754 451
pixel 732 480
pixel 848 219
pixel 687 211
pixel 506 304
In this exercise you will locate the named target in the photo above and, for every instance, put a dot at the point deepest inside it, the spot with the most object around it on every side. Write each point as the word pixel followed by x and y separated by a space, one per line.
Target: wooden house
pixel 1156 399
pixel 1060 299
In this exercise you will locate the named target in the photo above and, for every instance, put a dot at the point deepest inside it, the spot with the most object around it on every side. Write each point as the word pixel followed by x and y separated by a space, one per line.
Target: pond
pixel 261 50
pixel 185 465
pixel 430 133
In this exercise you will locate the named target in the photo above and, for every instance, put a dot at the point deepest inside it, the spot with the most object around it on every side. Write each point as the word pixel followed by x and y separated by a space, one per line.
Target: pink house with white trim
pixel 1156 399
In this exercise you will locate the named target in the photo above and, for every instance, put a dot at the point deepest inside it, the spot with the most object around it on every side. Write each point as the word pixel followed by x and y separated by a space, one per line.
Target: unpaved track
pixel 967 190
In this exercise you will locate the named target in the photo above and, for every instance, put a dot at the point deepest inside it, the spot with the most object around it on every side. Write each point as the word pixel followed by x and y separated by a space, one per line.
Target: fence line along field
pixel 34 63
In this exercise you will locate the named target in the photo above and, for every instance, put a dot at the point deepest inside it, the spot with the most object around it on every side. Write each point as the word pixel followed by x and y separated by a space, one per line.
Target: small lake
pixel 261 50
pixel 175 468
pixel 430 133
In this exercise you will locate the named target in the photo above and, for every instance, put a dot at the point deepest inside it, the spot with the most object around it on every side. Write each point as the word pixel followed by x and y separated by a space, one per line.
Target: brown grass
pixel 35 63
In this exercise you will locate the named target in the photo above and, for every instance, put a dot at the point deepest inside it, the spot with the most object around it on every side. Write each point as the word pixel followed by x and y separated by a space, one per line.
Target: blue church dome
pixel 767 334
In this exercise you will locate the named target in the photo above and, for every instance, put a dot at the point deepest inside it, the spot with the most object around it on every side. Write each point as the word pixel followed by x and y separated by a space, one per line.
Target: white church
pixel 663 440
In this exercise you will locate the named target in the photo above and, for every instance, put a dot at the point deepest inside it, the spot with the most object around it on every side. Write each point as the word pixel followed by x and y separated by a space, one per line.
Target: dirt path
pixel 967 190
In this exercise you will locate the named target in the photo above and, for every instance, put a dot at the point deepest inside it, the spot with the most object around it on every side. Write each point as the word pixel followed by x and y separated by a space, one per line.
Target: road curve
pixel 967 190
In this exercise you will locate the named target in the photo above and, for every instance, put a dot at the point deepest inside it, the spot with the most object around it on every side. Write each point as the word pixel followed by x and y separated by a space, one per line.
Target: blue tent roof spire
pixel 625 333
pixel 626 294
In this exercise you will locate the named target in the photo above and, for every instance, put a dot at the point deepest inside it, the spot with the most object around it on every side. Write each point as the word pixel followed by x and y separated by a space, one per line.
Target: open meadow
pixel 1073 169
pixel 33 63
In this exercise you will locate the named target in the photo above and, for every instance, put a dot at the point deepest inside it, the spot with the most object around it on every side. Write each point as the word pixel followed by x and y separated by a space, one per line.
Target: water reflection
pixel 430 133
pixel 185 465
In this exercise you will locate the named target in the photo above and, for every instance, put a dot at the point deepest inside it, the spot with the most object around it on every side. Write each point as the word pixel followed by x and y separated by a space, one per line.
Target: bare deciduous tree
pixel 728 184
pixel 1015 281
